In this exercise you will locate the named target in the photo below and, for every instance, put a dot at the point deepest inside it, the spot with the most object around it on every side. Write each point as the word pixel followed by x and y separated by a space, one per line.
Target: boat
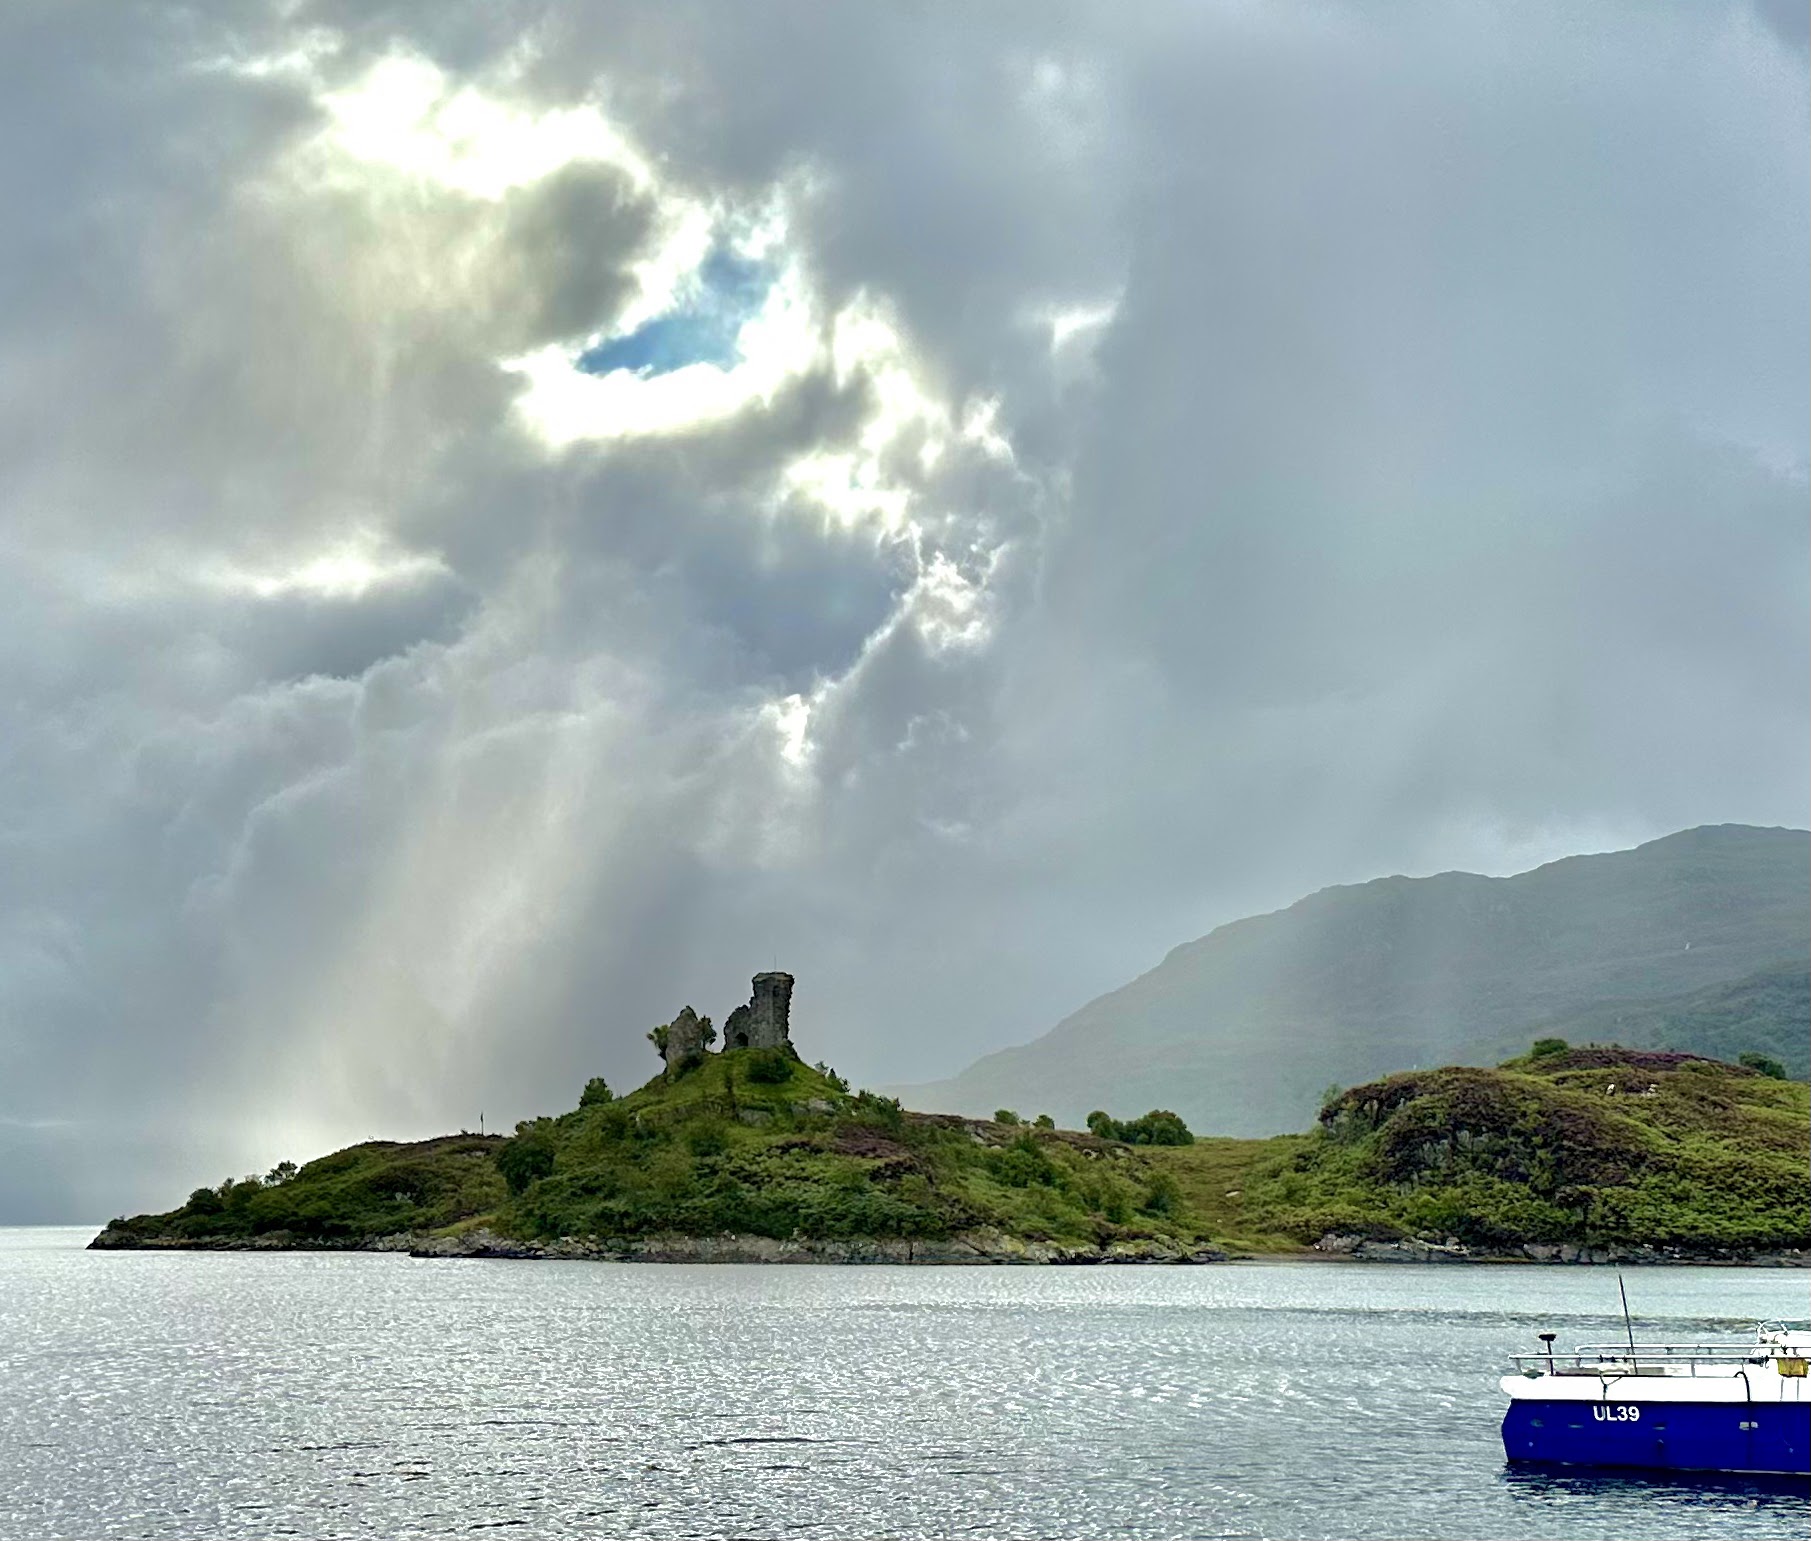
pixel 1737 1407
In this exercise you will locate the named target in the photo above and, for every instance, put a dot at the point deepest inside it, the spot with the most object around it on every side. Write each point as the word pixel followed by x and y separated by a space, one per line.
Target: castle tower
pixel 765 1022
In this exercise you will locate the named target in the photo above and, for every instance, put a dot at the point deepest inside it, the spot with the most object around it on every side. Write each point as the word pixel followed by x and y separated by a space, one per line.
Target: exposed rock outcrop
pixel 1360 1249
pixel 684 1039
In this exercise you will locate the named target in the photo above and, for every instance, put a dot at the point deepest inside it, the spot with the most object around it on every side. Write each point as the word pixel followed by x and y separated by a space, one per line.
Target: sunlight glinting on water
pixel 158 1395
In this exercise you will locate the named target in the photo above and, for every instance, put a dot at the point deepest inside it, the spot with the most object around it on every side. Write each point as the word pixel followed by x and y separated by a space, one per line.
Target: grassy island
pixel 1569 1153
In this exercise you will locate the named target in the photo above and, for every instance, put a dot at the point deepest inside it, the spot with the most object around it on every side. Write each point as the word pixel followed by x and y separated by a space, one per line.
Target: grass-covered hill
pixel 1596 1147
pixel 747 1142
pixel 1694 942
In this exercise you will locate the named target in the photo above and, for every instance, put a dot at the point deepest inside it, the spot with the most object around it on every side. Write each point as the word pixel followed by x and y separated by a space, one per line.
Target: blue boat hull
pixel 1662 1436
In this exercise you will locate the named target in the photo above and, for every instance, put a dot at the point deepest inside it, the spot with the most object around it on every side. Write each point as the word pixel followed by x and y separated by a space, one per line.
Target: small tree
pixel 1544 1047
pixel 280 1173
pixel 1044 1121
pixel 1157 1127
pixel 596 1093
pixel 1006 1116
pixel 525 1159
pixel 658 1037
pixel 1767 1065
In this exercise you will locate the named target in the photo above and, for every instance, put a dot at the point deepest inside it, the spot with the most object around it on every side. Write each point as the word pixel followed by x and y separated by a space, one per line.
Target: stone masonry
pixel 764 1022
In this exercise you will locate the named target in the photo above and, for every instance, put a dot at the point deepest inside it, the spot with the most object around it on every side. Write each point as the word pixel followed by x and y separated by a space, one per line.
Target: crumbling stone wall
pixel 765 1022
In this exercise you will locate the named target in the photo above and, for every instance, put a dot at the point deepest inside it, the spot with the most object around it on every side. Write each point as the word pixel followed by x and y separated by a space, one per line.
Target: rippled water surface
pixel 229 1394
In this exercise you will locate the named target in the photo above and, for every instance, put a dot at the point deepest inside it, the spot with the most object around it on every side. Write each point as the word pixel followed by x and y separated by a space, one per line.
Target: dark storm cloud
pixel 1406 421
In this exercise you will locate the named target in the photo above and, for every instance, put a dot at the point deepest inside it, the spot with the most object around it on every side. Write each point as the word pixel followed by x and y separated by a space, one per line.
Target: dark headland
pixel 1596 1154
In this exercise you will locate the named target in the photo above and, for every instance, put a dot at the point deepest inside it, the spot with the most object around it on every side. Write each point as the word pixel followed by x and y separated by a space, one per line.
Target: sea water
pixel 235 1394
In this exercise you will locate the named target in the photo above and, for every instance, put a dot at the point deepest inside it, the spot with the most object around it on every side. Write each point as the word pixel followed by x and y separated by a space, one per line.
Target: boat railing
pixel 1677 1350
pixel 1647 1359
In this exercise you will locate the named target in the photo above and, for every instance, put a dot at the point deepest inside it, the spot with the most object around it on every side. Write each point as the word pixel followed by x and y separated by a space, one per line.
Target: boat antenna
pixel 1627 1325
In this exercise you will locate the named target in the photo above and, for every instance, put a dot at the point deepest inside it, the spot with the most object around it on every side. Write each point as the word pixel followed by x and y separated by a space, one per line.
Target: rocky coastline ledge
pixel 1357 1249
pixel 974 1248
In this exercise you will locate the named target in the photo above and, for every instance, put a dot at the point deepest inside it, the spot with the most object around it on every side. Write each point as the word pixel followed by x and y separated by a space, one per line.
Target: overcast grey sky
pixel 516 517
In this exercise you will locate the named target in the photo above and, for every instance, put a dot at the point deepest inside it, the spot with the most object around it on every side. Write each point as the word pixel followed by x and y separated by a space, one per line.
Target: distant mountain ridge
pixel 1700 941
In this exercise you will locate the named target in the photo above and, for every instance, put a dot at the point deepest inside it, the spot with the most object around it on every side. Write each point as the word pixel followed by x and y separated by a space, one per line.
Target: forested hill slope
pixel 1700 940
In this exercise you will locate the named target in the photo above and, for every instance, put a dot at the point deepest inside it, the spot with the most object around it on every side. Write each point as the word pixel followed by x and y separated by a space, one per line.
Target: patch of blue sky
pixel 726 291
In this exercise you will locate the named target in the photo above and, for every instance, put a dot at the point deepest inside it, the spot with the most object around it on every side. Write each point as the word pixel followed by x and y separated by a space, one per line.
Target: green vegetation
pixel 1585 1145
pixel 769 1067
pixel 756 1143
pixel 748 1141
pixel 1595 1145
pixel 1158 1127
pixel 376 1189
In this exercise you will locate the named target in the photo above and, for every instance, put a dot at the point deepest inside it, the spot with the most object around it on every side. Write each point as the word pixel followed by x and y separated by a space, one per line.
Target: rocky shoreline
pixel 1358 1249
pixel 974 1248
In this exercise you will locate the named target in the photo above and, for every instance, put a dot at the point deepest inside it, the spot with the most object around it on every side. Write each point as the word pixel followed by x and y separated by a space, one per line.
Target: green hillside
pixel 1240 1031
pixel 1588 1147
pixel 746 1142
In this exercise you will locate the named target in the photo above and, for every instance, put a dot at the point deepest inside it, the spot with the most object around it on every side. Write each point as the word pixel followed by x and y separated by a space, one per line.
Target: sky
pixel 516 517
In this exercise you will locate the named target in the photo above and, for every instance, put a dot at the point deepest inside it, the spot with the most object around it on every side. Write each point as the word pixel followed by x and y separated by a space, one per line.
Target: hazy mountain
pixel 1698 941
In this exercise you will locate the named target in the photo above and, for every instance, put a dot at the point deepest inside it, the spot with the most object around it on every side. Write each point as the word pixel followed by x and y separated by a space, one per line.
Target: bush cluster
pixel 1158 1127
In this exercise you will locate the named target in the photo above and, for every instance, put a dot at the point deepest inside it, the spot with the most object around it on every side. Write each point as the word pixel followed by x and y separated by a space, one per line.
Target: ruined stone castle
pixel 762 1022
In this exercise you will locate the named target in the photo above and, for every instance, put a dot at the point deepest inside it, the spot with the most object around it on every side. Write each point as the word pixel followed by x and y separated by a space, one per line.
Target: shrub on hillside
pixel 707 1139
pixel 1158 1127
pixel 877 1111
pixel 768 1067
pixel 1022 1164
pixel 525 1159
